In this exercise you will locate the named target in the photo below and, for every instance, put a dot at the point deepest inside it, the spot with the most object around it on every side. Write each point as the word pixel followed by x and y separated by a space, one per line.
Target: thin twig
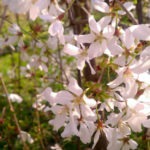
pixel 3 112
pixel 101 76
pixel 19 71
pixel 13 113
pixel 3 18
pixel 60 64
pixel 128 13
pixel 75 22
pixel 69 7
pixel 85 10
pixel 39 129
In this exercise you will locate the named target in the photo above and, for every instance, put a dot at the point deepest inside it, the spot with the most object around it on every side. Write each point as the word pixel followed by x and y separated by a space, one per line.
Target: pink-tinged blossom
pixel 101 6
pixel 52 13
pixel 122 60
pixel 140 32
pixel 39 105
pixel 15 36
pixel 46 10
pixel 81 55
pixel 8 41
pixel 18 6
pixel 137 113
pixel 61 113
pixel 37 7
pixel 124 144
pixel 113 48
pixel 52 43
pixel 145 96
pixel 128 39
pixel 113 140
pixel 144 77
pixel 146 123
pixel 108 105
pixel 26 137
pixel 85 130
pixel 49 96
pixel 86 127
pixel 56 147
pixel 99 45
pixel 38 62
pixel 72 108
pixel 15 29
pixel 101 33
pixel 129 75
pixel 145 52
pixel 71 126
pixel 100 132
pixel 120 143
pixel 57 29
pixel 140 66
pixel 15 98
pixel 121 126
pixel 125 76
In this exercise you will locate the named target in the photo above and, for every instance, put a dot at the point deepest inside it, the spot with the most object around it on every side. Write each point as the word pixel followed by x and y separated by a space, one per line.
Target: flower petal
pixel 74 87
pixel 141 32
pixel 56 28
pixel 101 6
pixel 95 50
pixel 93 25
pixel 108 31
pixel 103 22
pixel 87 38
pixel 34 12
pixel 96 138
pixel 71 50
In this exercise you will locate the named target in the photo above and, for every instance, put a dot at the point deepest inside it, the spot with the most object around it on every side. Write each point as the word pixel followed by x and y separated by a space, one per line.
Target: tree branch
pixel 3 18
pixel 139 11
pixel 128 13
pixel 14 114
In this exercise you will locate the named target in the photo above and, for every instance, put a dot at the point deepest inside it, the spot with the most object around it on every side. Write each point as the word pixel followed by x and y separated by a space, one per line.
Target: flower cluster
pixel 126 53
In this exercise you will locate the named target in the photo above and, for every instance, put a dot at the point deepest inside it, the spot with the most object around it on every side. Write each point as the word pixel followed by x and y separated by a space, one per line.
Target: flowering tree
pixel 99 54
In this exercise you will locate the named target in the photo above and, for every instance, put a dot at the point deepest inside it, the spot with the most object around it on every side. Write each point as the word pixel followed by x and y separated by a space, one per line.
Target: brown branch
pixel 127 12
pixel 14 114
pixel 139 11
